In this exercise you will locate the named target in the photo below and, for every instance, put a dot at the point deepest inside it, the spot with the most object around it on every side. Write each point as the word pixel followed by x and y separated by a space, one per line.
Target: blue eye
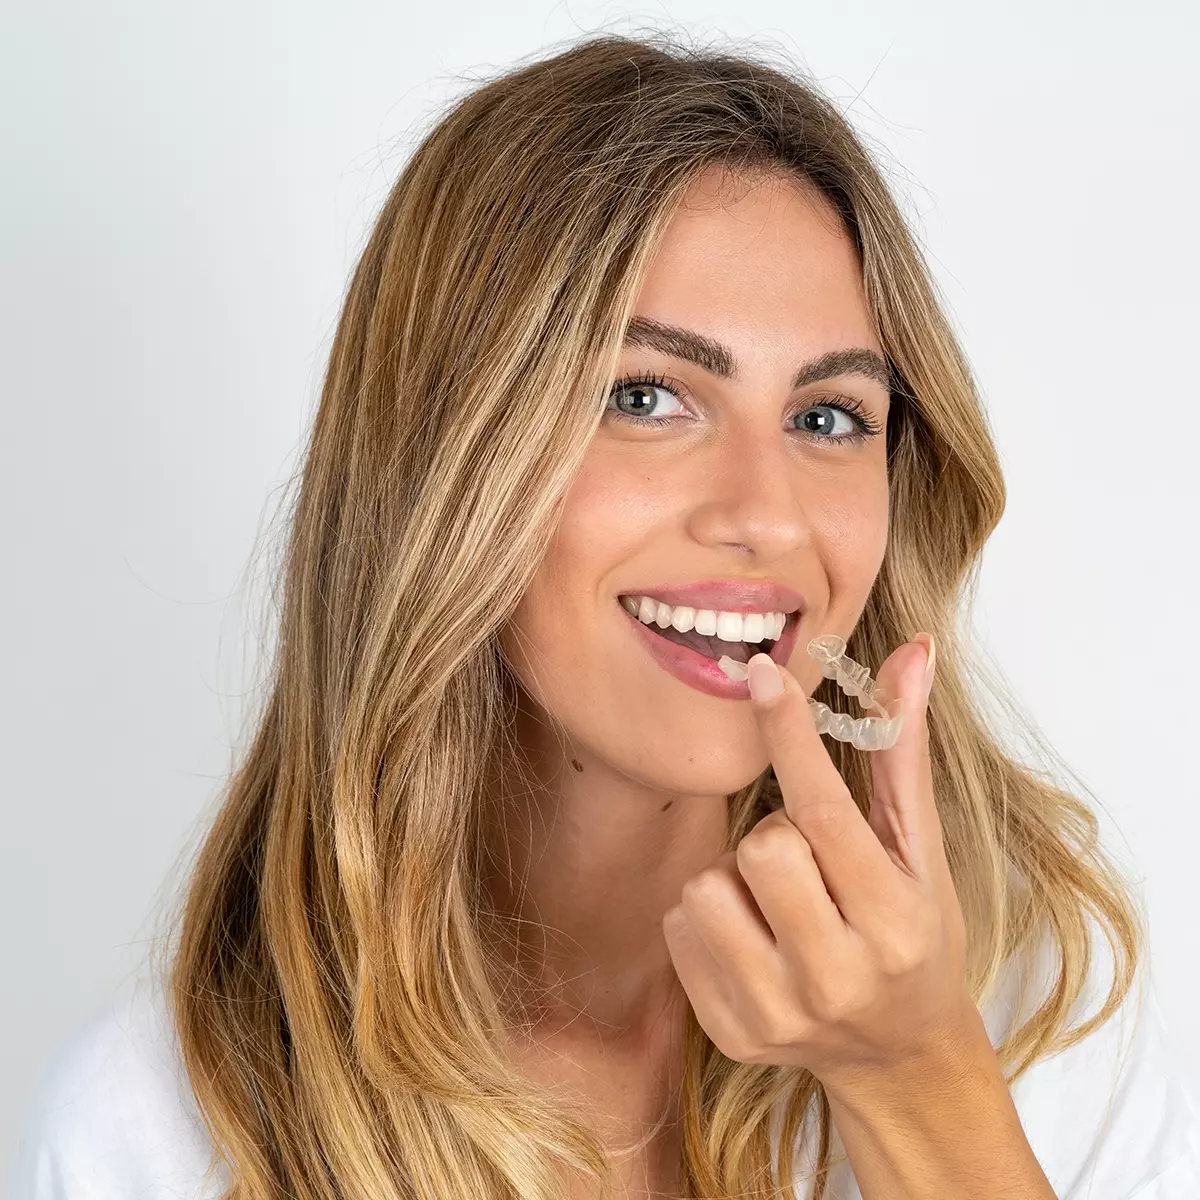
pixel 858 427
pixel 642 401
pixel 645 410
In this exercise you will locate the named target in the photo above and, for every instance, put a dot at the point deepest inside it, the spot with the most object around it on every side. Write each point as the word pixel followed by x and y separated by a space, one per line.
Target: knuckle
pixel 781 1028
pixel 737 1047
pixel 701 888
pixel 765 843
pixel 915 944
pixel 834 1002
pixel 674 917
pixel 899 956
pixel 824 821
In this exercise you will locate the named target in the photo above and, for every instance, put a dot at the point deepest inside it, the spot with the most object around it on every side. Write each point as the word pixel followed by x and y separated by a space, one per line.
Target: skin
pixel 605 846
pixel 733 494
pixel 618 828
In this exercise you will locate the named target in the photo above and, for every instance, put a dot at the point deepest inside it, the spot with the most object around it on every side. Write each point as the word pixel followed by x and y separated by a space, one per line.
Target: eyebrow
pixel 718 359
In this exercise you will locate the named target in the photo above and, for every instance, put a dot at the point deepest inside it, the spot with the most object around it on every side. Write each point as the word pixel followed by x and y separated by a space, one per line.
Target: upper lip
pixel 726 595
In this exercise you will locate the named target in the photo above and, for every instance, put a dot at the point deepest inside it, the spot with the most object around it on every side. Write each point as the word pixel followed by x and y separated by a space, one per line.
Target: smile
pixel 687 642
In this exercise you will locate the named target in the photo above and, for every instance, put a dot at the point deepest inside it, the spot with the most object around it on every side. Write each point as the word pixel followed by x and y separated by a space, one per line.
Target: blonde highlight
pixel 334 982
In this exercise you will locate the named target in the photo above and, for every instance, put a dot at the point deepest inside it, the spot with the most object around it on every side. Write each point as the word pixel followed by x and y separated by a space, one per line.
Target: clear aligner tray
pixel 867 733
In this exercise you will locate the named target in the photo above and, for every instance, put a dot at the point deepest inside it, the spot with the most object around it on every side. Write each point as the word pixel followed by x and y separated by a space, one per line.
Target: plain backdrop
pixel 185 190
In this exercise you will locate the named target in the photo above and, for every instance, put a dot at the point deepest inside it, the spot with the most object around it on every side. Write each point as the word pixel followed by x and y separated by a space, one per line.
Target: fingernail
pixel 763 678
pixel 926 639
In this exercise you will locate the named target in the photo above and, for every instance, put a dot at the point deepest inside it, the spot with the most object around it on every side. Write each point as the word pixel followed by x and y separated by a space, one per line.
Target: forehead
pixel 765 254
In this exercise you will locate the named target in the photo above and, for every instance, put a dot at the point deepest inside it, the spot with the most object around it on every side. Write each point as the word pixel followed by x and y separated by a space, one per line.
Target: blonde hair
pixel 334 980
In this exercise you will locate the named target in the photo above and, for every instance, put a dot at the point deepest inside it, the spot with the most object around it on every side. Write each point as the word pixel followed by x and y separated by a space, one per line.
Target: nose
pixel 750 498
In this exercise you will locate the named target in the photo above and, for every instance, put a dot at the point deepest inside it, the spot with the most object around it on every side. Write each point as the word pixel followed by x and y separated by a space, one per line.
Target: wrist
pixel 931 1082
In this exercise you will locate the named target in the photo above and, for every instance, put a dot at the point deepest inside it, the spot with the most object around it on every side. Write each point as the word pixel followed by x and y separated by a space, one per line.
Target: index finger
pixel 858 874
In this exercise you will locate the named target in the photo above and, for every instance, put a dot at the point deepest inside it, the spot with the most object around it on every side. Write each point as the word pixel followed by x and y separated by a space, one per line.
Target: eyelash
pixel 866 426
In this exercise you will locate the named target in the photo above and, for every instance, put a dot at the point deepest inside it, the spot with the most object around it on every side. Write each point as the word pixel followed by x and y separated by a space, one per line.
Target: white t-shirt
pixel 113 1119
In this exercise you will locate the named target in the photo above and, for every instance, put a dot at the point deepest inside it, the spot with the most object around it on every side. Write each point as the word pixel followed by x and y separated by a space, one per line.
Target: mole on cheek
pixel 666 806
pixel 577 764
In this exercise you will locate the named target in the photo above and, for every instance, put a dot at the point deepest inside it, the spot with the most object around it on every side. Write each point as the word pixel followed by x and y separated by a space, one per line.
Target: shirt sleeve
pixel 1113 1117
pixel 112 1117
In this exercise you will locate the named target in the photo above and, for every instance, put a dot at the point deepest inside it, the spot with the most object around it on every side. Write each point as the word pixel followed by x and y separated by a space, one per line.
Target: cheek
pixel 606 516
pixel 851 527
pixel 552 634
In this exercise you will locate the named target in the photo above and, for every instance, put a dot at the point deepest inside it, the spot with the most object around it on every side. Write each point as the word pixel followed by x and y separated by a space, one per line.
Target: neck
pixel 583 862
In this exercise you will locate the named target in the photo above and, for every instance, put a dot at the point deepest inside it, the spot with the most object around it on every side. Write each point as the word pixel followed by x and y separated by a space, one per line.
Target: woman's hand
pixel 826 940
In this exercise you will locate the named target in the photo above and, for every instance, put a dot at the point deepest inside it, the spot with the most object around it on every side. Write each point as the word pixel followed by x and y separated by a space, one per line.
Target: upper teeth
pixel 728 626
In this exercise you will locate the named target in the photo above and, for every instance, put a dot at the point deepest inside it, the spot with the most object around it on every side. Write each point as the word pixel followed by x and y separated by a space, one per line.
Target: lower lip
pixel 698 670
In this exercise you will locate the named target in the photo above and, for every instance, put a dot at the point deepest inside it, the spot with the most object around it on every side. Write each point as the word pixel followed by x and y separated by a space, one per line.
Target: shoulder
pixel 113 1115
pixel 1112 1116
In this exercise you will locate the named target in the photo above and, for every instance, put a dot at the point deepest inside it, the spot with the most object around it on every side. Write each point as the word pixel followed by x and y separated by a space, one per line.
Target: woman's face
pixel 749 481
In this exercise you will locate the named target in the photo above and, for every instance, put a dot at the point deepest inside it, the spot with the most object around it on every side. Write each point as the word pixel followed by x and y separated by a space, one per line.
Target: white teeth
pixel 683 618
pixel 728 626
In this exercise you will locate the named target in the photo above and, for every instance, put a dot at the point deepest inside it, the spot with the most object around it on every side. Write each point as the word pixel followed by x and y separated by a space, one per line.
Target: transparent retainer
pixel 867 733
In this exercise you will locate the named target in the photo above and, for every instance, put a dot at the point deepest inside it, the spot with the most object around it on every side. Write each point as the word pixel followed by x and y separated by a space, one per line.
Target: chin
pixel 696 766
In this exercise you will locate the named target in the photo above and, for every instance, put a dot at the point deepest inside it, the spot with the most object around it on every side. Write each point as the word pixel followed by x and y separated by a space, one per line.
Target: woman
pixel 515 890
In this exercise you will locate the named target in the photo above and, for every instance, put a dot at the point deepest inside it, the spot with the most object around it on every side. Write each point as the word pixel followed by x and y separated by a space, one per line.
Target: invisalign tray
pixel 867 733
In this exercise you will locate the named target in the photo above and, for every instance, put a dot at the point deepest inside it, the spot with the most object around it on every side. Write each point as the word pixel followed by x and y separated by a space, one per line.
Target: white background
pixel 186 188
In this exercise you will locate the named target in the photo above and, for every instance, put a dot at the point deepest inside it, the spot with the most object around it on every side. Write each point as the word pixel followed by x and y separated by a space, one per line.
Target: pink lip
pixel 698 670
pixel 727 595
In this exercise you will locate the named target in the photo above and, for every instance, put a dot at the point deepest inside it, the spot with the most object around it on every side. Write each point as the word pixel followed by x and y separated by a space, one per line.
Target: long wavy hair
pixel 334 961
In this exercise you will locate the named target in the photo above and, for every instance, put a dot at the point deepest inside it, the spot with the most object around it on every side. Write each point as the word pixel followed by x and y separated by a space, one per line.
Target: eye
pixel 825 420
pixel 858 424
pixel 635 400
pixel 821 418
